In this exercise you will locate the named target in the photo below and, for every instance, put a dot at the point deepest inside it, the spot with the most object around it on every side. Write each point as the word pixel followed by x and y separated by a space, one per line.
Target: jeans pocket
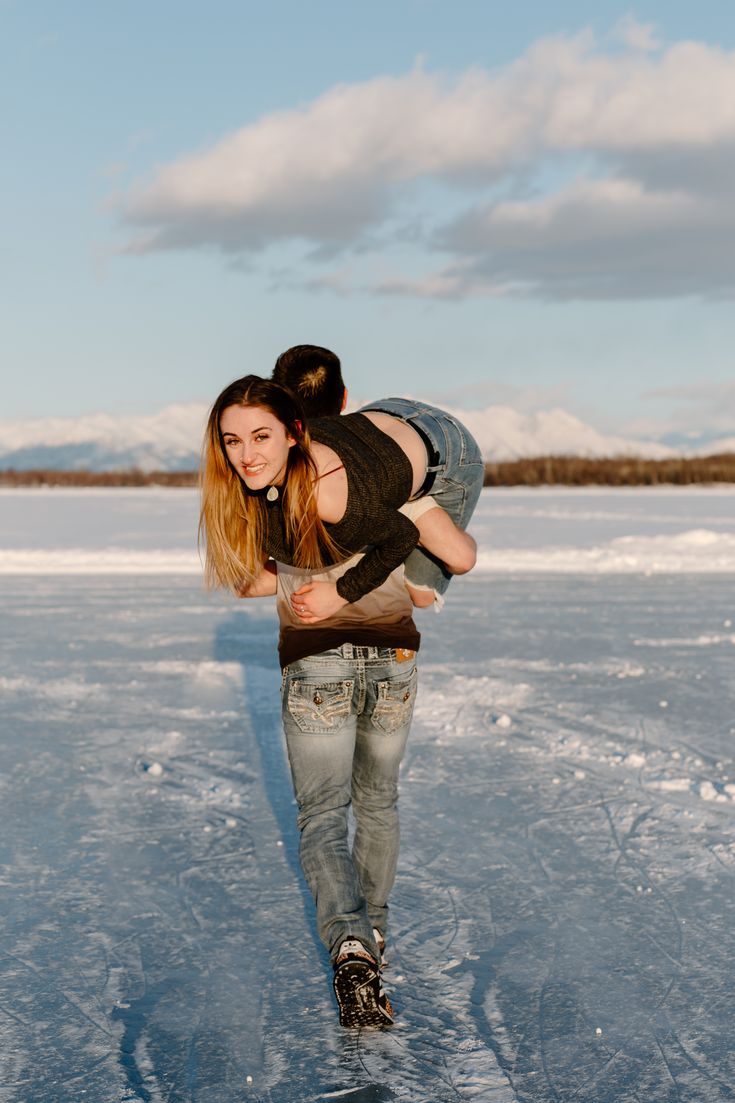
pixel 459 493
pixel 320 707
pixel 394 703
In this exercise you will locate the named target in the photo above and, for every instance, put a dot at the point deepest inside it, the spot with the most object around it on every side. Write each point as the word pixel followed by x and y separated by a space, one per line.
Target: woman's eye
pixel 261 437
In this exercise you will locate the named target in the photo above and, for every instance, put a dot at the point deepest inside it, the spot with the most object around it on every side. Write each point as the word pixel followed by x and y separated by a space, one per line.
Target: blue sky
pixel 474 202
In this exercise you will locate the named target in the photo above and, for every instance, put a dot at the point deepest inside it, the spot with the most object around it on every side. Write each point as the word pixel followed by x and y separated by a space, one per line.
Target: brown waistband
pixel 299 643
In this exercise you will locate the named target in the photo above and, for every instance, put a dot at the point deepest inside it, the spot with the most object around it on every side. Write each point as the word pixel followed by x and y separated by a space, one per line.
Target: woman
pixel 312 496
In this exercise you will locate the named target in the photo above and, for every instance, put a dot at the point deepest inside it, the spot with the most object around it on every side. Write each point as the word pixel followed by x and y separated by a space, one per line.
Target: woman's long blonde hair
pixel 232 521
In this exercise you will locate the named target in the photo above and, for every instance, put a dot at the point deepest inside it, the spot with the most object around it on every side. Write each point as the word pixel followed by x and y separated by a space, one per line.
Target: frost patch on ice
pixel 708 791
pixel 58 689
pixel 613 668
pixel 698 551
pixel 103 561
pixel 629 670
pixel 197 713
pixel 685 641
pixel 671 784
pixel 724 853
pixel 469 705
pixel 577 513
pixel 705 790
pixel 167 743
pixel 209 672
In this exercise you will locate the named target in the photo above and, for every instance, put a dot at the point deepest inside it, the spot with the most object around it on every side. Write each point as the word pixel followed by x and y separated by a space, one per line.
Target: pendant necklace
pixel 272 491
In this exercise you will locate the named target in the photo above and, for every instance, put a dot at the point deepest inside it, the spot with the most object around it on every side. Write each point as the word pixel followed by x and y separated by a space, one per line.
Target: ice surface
pixel 564 916
pixel 153 531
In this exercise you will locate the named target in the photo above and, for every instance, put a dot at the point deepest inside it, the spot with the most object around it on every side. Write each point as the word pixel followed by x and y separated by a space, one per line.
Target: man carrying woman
pixel 347 642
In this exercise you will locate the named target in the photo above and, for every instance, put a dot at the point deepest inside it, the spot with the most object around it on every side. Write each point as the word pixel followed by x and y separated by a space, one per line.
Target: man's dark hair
pixel 314 374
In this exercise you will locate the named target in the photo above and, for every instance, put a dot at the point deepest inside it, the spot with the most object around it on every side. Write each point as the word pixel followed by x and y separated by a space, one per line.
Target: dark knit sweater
pixel 379 480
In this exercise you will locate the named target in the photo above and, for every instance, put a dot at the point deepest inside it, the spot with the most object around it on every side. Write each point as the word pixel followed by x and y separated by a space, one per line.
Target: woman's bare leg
pixel 439 535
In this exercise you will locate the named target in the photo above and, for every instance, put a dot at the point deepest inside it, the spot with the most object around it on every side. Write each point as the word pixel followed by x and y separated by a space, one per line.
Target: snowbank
pixel 30 561
pixel 699 551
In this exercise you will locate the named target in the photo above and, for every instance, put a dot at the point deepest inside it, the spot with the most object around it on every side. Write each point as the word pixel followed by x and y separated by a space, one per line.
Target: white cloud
pixel 715 395
pixel 449 283
pixel 648 217
pixel 700 412
pixel 530 398
pixel 595 239
pixel 636 35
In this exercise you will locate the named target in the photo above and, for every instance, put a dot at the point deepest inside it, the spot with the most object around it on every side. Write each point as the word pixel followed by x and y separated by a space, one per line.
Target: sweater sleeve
pixel 395 537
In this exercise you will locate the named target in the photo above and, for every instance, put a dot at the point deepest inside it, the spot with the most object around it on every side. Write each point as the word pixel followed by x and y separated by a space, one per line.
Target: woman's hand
pixel 316 601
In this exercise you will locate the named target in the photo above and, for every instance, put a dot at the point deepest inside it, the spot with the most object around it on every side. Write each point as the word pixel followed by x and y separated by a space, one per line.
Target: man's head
pixel 315 376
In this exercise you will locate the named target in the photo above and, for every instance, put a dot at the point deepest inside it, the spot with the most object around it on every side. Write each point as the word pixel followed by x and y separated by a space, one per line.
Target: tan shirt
pixel 382 618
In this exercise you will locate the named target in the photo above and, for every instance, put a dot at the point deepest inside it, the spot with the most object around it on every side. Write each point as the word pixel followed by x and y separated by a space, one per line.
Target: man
pixel 348 692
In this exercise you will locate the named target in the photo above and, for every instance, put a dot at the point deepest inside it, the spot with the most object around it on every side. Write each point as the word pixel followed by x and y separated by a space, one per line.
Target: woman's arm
pixel 394 536
pixel 390 538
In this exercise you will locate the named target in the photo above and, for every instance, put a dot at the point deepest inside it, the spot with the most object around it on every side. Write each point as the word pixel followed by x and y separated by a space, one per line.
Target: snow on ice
pixel 563 921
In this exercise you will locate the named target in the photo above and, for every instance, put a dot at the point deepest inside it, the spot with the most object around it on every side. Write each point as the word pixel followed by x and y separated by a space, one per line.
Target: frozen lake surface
pixel 564 915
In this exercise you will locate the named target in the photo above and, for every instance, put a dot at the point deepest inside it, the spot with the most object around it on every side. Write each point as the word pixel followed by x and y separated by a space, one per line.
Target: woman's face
pixel 257 445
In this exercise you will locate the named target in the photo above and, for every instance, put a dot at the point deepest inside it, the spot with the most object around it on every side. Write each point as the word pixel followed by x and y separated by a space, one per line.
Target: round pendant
pixel 272 493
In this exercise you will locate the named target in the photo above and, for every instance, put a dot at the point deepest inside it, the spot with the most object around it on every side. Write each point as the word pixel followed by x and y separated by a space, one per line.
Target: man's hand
pixel 265 585
pixel 316 601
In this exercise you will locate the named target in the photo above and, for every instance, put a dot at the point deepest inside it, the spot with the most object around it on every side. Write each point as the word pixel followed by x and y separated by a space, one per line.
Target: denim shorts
pixel 458 473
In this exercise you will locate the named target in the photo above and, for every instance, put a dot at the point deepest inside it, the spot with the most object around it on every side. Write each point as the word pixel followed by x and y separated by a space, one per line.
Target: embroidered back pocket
pixel 394 706
pixel 319 706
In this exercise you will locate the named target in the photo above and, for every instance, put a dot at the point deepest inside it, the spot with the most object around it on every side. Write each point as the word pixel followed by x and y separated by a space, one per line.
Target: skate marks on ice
pixel 138 850
pixel 592 902
pixel 586 984
pixel 157 944
pixel 156 939
pixel 567 866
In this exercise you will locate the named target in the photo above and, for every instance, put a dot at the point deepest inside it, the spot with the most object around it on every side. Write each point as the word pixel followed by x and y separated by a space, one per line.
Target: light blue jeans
pixel 346 715
pixel 459 474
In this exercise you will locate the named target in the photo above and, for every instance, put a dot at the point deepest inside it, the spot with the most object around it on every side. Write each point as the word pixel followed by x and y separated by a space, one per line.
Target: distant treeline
pixel 537 471
pixel 98 478
pixel 616 471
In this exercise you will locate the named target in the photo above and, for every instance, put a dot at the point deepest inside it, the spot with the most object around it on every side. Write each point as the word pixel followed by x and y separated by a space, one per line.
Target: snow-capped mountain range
pixel 170 439
pixel 165 441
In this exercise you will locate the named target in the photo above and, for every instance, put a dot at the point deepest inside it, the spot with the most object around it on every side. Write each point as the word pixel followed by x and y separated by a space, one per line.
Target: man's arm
pixel 265 585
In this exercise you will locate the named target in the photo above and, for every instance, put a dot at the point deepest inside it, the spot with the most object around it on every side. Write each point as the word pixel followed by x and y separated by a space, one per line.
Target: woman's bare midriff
pixel 407 439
